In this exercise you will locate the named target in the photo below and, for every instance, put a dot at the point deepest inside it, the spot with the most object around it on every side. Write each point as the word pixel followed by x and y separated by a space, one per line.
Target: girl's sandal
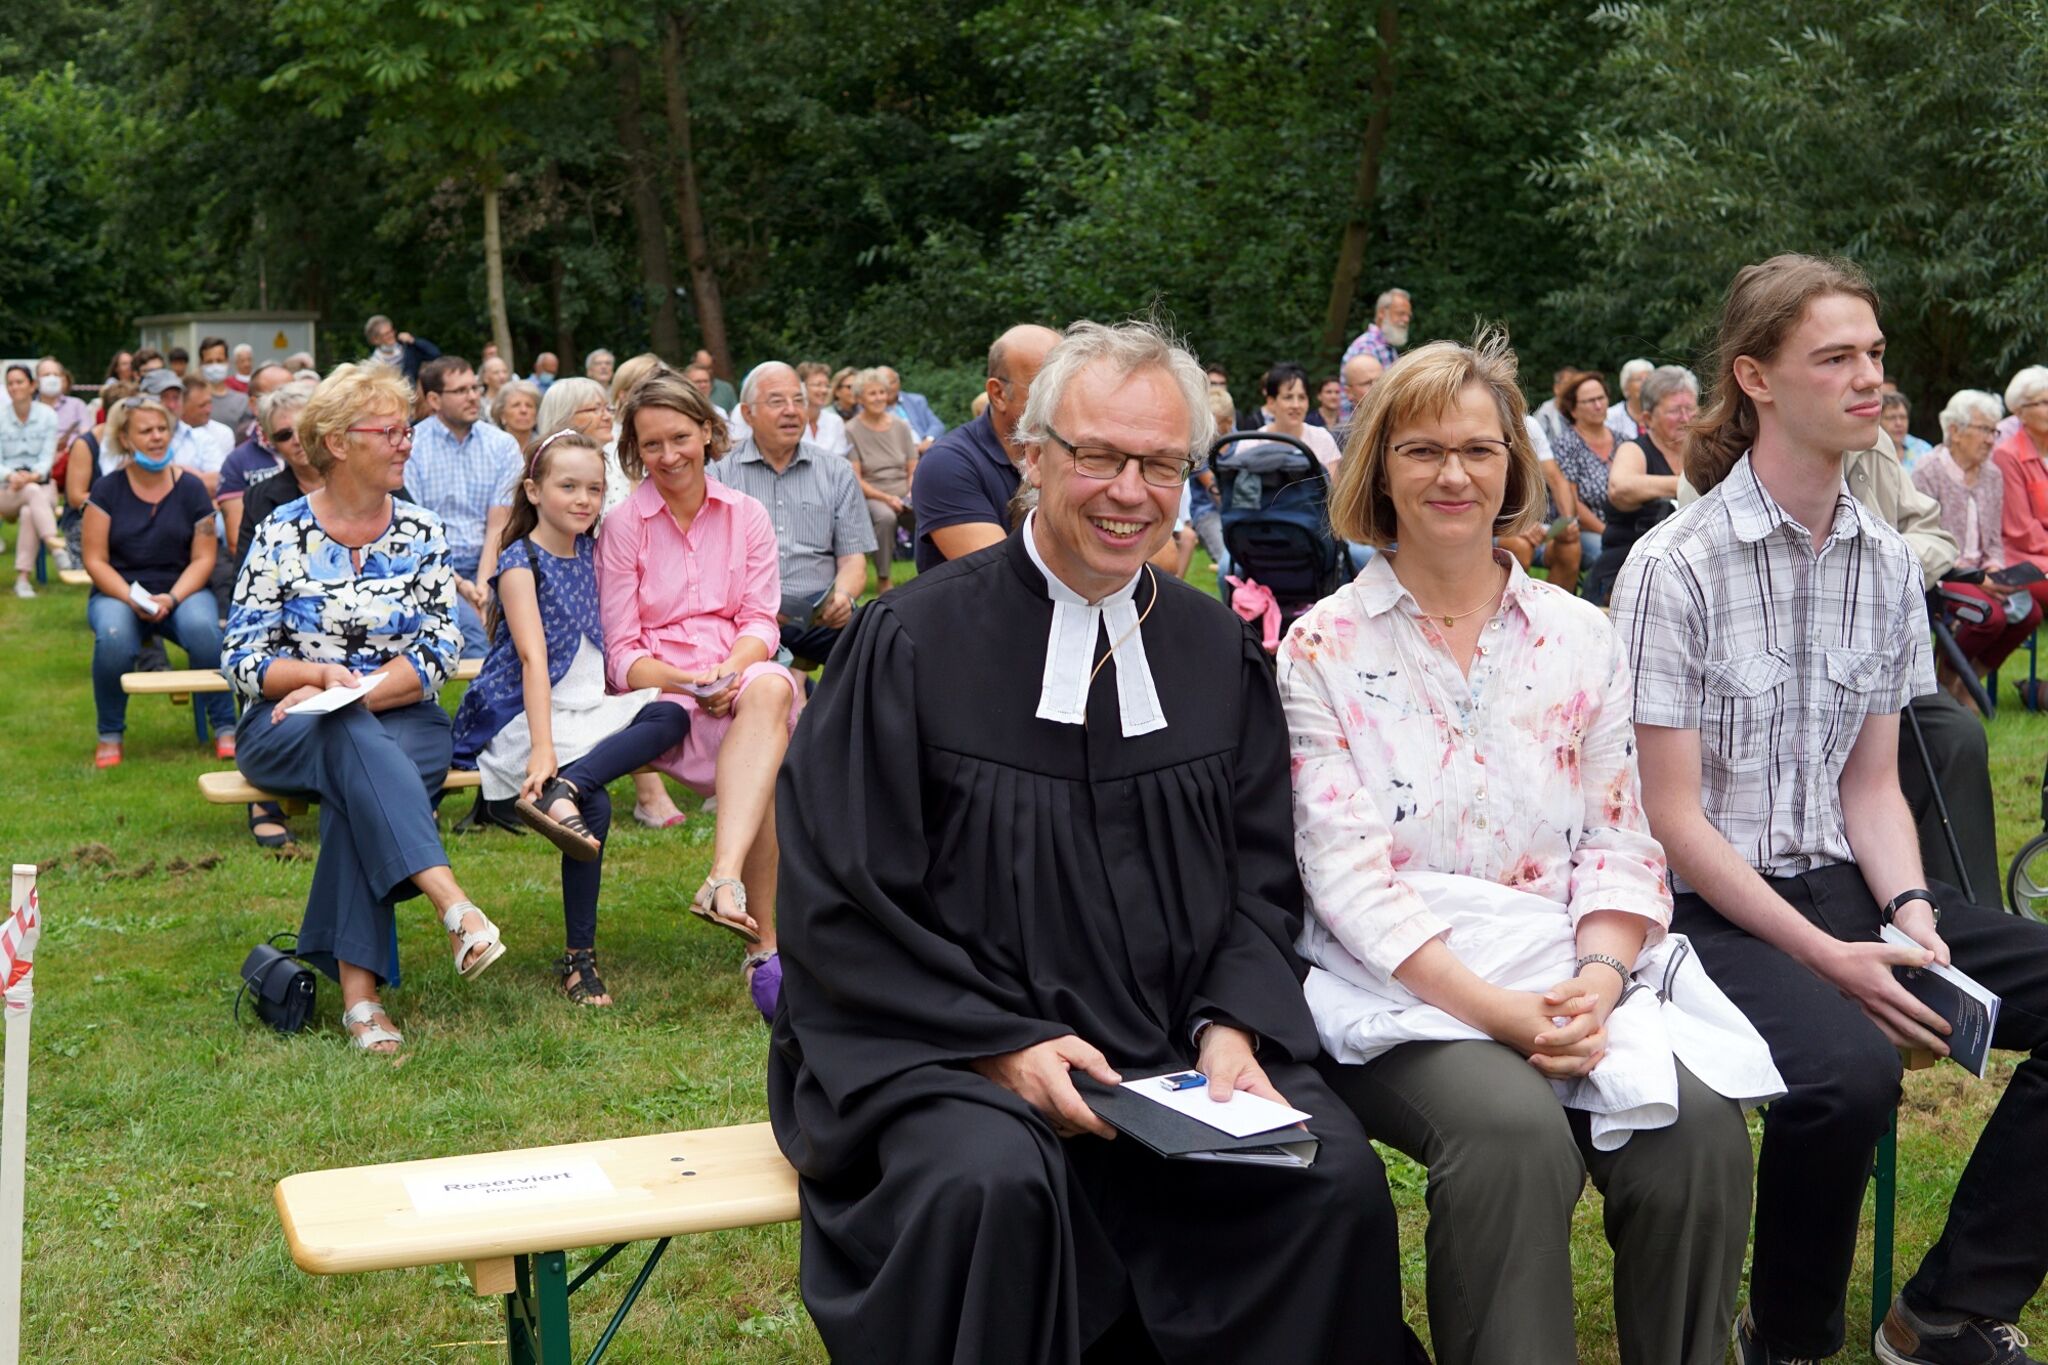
pixel 568 833
pixel 705 906
pixel 366 1012
pixel 581 963
pixel 472 939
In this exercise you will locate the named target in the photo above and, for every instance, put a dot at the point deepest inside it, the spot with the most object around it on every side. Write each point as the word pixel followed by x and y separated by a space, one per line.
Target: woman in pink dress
pixel 687 588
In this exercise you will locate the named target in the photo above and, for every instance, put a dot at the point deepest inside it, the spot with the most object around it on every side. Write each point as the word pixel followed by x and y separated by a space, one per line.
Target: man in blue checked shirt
pixel 464 471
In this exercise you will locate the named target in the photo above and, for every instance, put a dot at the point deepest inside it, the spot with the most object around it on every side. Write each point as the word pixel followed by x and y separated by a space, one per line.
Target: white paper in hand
pixel 334 698
pixel 1243 1115
pixel 141 597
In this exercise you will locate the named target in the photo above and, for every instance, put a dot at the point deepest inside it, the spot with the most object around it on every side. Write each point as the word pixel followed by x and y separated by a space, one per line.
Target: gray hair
pixel 1968 403
pixel 1662 382
pixel 755 375
pixel 1127 347
pixel 874 376
pixel 591 359
pixel 523 388
pixel 275 404
pixel 1630 369
pixel 245 349
pixel 559 404
pixel 370 328
pixel 2026 386
pixel 1386 300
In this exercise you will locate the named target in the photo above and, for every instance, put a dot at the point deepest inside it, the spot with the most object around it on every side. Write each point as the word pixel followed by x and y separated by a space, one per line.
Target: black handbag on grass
pixel 282 987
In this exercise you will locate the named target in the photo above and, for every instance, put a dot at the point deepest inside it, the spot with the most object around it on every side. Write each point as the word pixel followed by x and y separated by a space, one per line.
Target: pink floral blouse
pixel 1525 774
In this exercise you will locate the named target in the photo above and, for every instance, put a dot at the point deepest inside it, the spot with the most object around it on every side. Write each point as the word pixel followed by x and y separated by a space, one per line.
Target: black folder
pixel 1181 1138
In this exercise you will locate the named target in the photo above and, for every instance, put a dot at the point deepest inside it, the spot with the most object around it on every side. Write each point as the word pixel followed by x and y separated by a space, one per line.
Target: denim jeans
pixel 194 625
pixel 475 644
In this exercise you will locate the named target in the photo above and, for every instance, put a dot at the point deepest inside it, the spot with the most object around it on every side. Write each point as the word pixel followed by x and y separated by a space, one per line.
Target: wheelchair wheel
pixel 2026 883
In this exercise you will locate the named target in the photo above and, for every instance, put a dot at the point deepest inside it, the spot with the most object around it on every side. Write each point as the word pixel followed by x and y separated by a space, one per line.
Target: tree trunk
pixel 1365 186
pixel 565 331
pixel 689 205
pixel 657 272
pixel 494 268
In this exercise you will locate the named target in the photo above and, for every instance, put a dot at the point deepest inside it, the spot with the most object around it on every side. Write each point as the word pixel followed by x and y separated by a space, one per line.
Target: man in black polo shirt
pixel 965 481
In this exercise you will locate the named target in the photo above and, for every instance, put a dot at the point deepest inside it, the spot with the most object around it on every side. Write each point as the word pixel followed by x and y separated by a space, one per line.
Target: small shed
pixel 273 336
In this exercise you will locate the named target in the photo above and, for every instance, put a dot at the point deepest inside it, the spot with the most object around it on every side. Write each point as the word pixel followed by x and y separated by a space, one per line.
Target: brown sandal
pixel 705 906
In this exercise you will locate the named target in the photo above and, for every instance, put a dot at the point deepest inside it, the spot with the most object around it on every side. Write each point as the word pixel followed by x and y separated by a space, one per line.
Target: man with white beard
pixel 1391 314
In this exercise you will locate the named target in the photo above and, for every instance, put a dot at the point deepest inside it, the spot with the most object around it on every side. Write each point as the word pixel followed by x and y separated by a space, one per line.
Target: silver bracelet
pixel 1605 961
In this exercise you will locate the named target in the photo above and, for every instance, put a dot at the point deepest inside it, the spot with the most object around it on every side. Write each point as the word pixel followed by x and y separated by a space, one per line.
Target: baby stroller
pixel 2026 881
pixel 1273 496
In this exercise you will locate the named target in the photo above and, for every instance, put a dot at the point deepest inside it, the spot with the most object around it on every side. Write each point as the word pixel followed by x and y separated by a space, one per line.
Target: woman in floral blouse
pixel 345 586
pixel 1452 717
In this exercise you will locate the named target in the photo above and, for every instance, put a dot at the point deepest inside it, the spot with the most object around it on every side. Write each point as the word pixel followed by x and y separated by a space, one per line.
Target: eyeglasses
pixel 592 410
pixel 1981 428
pixel 1100 462
pixel 782 402
pixel 463 392
pixel 400 435
pixel 281 435
pixel 1472 454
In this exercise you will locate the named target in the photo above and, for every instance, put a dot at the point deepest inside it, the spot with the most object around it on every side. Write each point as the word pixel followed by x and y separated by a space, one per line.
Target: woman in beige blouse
pixel 884 460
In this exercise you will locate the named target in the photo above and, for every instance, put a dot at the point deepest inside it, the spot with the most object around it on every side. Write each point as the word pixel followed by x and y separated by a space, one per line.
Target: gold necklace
pixel 1450 618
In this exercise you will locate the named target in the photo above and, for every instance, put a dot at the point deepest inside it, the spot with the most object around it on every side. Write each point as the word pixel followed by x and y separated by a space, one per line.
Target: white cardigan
pixel 1525 942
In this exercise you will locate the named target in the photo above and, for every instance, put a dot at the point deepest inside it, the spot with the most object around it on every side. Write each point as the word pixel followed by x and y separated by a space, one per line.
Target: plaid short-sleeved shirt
pixel 461 481
pixel 1735 627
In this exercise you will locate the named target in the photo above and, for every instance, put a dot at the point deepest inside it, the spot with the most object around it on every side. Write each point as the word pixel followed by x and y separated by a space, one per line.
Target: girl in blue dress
pixel 540 699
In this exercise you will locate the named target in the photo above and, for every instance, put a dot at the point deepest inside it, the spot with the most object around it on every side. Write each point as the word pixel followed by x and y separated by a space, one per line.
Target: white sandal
pixel 362 1012
pixel 451 920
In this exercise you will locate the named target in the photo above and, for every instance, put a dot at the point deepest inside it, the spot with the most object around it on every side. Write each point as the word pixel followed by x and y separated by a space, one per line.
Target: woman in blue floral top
pixel 344 586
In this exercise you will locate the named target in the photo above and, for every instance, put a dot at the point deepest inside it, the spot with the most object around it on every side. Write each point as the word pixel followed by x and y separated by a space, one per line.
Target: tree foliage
pixel 901 181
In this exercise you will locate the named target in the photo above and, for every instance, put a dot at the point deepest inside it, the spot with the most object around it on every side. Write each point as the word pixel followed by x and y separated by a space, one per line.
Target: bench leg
pixel 519 1326
pixel 551 1281
pixel 1886 1200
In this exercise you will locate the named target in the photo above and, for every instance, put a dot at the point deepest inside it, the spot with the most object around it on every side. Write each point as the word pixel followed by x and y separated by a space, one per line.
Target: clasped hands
pixel 1529 1023
pixel 1040 1076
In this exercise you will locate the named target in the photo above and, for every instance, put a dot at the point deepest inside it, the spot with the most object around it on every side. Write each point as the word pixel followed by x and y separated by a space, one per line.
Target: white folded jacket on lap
pixel 1525 942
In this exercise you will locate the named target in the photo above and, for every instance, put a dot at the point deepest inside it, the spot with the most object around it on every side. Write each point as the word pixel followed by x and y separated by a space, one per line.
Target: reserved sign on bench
pixel 489 1189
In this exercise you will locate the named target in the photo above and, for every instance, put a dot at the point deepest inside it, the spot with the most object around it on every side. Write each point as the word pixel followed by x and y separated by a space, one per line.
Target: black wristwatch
pixel 1918 893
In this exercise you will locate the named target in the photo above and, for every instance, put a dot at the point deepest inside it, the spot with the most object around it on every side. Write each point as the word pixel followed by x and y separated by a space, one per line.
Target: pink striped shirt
pixel 685 597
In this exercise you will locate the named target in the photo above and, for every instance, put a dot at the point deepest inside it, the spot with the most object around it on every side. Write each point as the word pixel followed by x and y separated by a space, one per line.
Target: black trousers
pixel 655 729
pixel 1842 1078
pixel 1960 759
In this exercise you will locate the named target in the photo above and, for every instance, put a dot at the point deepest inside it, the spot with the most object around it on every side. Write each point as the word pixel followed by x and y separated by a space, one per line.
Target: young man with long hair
pixel 1775 629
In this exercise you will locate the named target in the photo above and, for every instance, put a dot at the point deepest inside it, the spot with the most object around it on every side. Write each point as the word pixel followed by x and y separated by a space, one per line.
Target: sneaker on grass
pixel 1909 1338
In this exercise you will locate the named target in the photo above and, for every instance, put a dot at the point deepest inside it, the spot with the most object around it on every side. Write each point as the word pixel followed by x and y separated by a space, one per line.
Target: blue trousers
pixel 193 625
pixel 376 776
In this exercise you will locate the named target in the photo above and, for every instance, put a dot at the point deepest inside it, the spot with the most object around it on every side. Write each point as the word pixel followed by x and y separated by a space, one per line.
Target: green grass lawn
pixel 158 1125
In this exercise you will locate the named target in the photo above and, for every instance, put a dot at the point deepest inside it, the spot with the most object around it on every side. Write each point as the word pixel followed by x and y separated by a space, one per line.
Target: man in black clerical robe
pixel 976 898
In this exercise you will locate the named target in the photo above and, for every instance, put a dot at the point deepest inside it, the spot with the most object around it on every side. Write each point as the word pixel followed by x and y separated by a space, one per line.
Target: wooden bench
pixel 230 788
pixel 179 684
pixel 510 1218
pixel 74 578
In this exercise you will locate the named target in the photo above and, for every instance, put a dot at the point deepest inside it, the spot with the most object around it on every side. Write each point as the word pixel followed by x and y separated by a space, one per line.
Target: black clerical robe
pixel 961 879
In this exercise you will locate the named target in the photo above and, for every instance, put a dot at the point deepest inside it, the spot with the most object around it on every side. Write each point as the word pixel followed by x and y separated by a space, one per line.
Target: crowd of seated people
pixel 1410 872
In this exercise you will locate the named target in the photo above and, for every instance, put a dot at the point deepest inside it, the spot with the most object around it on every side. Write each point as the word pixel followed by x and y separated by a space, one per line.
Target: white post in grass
pixel 17 957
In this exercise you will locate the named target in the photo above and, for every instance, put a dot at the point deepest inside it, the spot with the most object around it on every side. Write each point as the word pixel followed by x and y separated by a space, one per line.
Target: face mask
pixel 52 385
pixel 215 373
pixel 153 465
